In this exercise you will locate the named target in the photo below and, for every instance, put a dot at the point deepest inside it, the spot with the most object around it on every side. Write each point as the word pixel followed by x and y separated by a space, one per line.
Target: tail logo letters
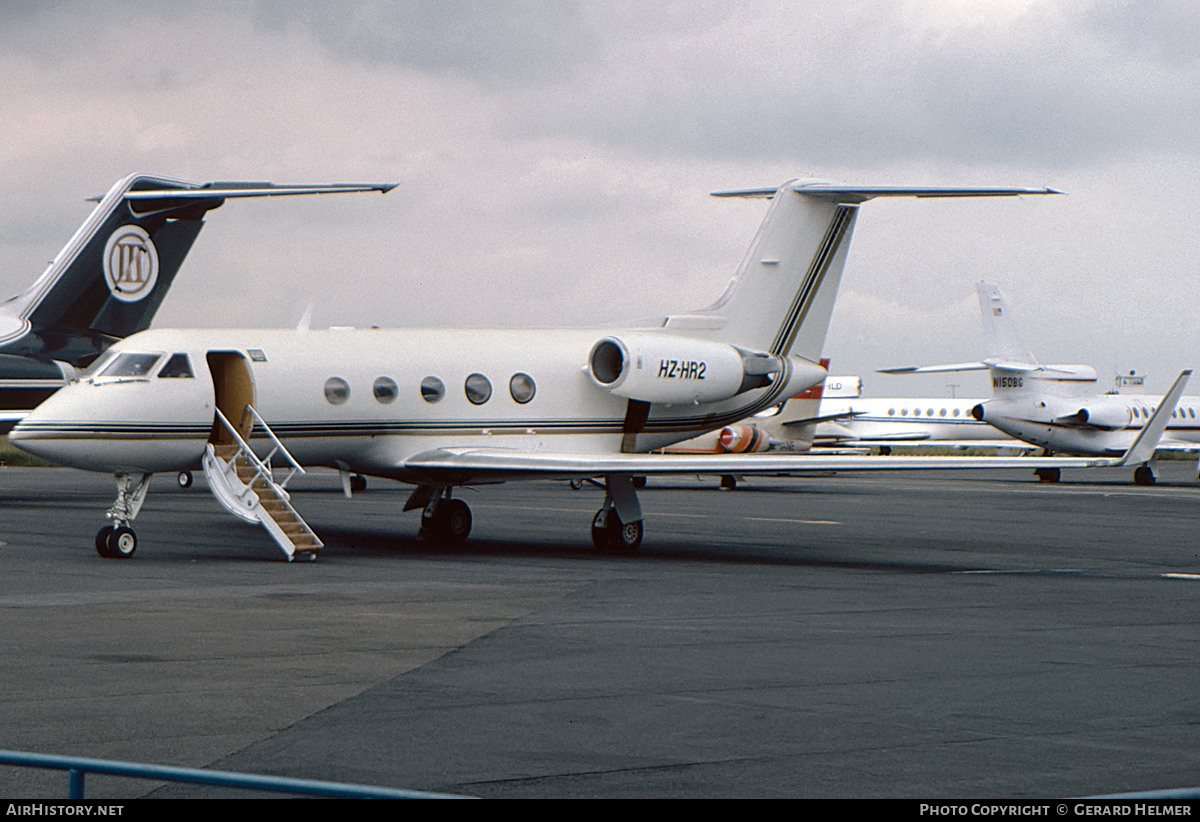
pixel 130 264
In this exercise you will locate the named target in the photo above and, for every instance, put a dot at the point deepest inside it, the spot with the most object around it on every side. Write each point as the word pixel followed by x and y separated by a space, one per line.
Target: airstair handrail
pixel 249 409
pixel 259 466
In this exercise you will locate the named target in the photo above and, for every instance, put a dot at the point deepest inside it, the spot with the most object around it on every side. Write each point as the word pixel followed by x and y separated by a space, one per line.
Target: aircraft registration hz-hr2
pixel 109 279
pixel 442 408
pixel 1060 407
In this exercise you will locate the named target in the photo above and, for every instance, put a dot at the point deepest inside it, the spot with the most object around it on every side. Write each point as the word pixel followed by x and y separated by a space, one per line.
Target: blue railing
pixel 77 767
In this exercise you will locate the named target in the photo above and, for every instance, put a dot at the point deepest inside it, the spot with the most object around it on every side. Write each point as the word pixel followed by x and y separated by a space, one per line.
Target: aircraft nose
pixel 25 436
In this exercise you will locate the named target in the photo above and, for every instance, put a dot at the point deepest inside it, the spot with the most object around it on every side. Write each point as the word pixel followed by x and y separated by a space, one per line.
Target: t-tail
pixel 1014 371
pixel 781 299
pixel 761 341
pixel 109 280
pixel 113 274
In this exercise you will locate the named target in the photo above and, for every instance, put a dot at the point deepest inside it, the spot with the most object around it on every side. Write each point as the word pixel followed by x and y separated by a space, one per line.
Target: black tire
pixel 184 479
pixel 102 538
pixel 602 536
pixel 1047 474
pixel 358 483
pixel 454 517
pixel 450 523
pixel 1143 475
pixel 614 536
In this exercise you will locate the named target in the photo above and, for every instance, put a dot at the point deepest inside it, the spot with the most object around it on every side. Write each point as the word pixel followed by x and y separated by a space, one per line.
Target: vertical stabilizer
pixel 111 277
pixel 1000 336
pixel 781 298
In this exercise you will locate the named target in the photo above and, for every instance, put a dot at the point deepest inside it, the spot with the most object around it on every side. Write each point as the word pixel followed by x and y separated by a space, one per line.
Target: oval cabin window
pixel 432 389
pixel 522 388
pixel 478 389
pixel 385 389
pixel 337 390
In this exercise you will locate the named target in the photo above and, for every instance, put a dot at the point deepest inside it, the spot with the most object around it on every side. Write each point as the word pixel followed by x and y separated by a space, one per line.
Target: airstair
pixel 246 487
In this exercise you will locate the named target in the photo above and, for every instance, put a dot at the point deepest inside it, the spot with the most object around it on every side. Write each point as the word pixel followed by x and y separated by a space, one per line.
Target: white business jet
pixel 109 280
pixel 442 408
pixel 1060 408
pixel 837 416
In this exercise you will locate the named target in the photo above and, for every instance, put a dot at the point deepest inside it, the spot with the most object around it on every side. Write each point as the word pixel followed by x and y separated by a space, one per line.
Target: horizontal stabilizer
pixel 962 366
pixel 860 194
pixel 231 190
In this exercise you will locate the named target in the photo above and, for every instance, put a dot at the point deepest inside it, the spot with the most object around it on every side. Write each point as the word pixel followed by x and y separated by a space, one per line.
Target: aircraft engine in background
pixel 743 439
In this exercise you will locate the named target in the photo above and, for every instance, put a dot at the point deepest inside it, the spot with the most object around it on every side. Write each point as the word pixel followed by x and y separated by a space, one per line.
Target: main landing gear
pixel 616 527
pixel 1142 475
pixel 118 541
pixel 445 520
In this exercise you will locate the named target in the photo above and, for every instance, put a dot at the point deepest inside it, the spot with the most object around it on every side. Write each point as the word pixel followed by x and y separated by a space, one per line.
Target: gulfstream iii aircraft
pixel 108 280
pixel 1060 407
pixel 443 408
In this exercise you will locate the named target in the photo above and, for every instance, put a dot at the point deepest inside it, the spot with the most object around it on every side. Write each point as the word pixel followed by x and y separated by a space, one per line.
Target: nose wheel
pixel 118 541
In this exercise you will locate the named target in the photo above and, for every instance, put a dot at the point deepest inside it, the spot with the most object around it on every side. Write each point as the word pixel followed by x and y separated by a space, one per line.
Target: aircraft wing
pixel 925 442
pixel 465 465
pixel 460 466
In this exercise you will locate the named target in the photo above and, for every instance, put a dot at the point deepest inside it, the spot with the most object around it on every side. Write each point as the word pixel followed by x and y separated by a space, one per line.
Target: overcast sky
pixel 554 160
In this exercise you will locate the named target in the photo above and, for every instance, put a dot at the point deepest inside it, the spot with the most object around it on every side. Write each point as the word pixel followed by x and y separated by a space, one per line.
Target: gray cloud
pixel 491 43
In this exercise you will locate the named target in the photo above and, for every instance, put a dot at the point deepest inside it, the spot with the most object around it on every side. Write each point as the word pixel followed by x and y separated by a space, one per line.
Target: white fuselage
pixel 904 420
pixel 1113 421
pixel 365 400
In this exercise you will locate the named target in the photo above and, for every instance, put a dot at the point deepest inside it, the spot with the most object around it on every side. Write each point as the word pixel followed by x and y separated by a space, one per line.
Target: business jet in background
pixel 109 279
pixel 1060 408
pixel 836 415
pixel 847 419
pixel 443 408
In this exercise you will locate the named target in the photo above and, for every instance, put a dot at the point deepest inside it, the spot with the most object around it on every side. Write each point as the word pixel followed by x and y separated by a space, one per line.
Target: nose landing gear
pixel 118 541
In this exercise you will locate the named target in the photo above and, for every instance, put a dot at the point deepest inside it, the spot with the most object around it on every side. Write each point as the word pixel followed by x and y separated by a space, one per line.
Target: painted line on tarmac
pixel 798 521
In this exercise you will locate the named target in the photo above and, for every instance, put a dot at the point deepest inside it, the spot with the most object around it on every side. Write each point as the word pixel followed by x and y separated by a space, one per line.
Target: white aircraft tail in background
pixel 1060 408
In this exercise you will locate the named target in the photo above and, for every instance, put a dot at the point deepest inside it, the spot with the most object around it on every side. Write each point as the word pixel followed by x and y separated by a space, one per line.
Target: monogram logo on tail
pixel 130 264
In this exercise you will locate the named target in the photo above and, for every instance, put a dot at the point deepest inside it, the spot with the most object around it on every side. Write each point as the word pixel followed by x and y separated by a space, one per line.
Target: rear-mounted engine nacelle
pixel 743 439
pixel 669 369
pixel 1106 417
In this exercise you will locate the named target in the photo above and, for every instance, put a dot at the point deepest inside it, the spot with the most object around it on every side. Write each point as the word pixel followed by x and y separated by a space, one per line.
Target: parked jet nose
pixel 116 428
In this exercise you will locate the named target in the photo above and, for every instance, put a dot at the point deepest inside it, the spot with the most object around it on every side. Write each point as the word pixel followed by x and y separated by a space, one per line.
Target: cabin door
pixel 233 385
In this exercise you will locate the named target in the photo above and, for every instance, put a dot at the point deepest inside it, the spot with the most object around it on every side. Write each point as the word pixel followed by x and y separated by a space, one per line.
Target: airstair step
pixel 244 485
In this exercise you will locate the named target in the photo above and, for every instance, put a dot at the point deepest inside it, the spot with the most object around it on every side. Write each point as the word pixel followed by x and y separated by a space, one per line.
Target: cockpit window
pixel 97 365
pixel 130 366
pixel 178 366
